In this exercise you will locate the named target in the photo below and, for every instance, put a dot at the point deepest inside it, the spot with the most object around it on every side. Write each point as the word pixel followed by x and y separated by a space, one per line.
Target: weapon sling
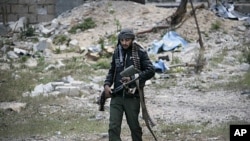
pixel 145 114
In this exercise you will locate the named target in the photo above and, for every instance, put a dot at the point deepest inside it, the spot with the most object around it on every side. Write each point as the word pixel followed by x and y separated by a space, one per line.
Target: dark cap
pixel 126 33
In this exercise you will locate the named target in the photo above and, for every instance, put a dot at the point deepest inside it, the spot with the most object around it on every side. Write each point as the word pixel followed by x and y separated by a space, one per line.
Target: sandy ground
pixel 184 97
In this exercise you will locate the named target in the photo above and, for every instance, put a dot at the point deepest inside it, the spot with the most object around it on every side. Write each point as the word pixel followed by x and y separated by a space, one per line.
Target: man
pixel 127 53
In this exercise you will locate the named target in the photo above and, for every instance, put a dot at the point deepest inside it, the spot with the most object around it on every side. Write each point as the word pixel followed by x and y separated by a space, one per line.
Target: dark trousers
pixel 131 107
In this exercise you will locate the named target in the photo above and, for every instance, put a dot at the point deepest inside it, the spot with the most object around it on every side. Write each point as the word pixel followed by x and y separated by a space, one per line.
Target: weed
pixel 235 83
pixel 103 63
pixel 219 57
pixel 23 59
pixel 215 26
pixel 111 11
pixel 57 51
pixel 61 39
pixel 34 120
pixel 175 60
pixel 16 82
pixel 27 31
pixel 87 24
pixel 112 39
pixel 41 61
pixel 202 131
pixel 246 54
pixel 118 25
pixel 101 42
pixel 242 83
pixel 109 4
pixel 34 39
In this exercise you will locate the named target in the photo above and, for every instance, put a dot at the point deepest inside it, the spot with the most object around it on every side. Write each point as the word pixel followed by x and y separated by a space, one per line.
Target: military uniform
pixel 122 102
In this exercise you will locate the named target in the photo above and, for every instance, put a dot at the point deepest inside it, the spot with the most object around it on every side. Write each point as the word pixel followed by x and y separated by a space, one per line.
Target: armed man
pixel 126 99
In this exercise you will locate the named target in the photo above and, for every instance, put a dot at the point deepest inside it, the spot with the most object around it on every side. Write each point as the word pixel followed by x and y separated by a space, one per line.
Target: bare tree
pixel 200 61
pixel 179 14
pixel 176 20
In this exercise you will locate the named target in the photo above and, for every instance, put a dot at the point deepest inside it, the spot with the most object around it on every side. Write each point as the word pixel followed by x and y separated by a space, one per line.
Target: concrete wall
pixel 46 10
pixel 35 10
pixel 64 5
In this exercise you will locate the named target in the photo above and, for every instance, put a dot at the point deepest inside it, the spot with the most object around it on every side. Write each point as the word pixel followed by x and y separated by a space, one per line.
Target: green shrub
pixel 246 55
pixel 61 39
pixel 112 39
pixel 15 83
pixel 87 24
pixel 102 63
pixel 101 42
pixel 216 26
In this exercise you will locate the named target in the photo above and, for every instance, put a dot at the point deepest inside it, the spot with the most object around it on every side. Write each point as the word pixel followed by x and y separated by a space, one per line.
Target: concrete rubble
pixel 187 91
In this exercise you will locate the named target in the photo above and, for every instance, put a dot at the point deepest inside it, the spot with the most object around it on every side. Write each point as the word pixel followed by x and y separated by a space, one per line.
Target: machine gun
pixel 131 70
pixel 127 73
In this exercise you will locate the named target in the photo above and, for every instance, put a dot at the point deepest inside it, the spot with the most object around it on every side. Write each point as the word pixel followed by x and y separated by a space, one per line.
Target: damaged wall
pixel 64 5
pixel 35 10
pixel 45 10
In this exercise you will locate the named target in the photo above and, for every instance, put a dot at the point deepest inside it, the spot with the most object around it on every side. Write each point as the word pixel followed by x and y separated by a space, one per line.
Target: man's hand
pixel 125 79
pixel 107 91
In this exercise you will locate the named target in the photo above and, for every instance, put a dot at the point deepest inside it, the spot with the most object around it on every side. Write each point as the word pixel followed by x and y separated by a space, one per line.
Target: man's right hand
pixel 107 91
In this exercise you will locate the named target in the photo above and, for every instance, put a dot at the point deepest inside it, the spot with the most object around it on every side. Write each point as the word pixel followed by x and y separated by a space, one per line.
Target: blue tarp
pixel 170 41
pixel 160 66
pixel 226 10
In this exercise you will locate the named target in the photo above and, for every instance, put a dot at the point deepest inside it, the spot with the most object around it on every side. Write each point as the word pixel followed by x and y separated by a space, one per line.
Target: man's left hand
pixel 125 79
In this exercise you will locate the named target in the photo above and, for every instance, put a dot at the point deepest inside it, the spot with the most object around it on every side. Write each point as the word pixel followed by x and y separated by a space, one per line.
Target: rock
pixel 15 106
pixel 73 43
pixel 31 62
pixel 244 67
pixel 94 56
pixel 42 45
pixel 12 55
pixel 42 89
pixel 241 28
pixel 20 51
pixel 20 24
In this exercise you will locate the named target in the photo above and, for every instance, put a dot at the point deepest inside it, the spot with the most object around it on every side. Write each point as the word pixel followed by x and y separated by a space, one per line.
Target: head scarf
pixel 126 33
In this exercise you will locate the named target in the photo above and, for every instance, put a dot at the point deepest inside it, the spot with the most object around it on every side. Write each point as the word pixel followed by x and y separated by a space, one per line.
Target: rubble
pixel 186 99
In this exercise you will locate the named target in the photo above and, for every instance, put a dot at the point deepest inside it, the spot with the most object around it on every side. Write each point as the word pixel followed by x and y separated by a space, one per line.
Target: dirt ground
pixel 185 97
pixel 189 98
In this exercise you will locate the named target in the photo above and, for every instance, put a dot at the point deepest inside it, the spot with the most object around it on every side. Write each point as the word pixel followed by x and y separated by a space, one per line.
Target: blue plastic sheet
pixel 170 41
pixel 160 66
pixel 226 10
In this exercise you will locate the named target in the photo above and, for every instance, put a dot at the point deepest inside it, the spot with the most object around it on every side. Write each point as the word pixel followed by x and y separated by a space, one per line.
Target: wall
pixel 64 5
pixel 46 10
pixel 35 10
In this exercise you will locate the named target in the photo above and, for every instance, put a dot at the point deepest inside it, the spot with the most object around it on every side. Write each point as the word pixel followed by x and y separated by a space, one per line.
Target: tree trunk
pixel 200 61
pixel 177 17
